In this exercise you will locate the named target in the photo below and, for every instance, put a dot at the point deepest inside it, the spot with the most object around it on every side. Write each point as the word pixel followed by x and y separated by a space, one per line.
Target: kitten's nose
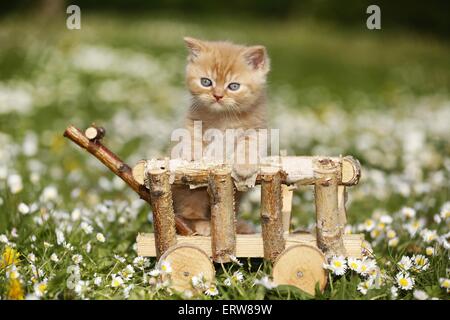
pixel 218 97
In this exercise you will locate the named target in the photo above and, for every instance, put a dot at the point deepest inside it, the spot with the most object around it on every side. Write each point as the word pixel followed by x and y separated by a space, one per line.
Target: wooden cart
pixel 297 258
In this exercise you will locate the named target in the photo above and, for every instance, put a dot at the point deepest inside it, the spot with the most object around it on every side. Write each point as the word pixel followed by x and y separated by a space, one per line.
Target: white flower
pixel 73 269
pixel 126 291
pixel 40 288
pixel 198 281
pixel 23 208
pixel 408 212
pixel 354 264
pixel 430 251
pixel 420 295
pixel 88 247
pixel 50 193
pixel 364 286
pixel 15 183
pixel 59 236
pixel 87 228
pixel 265 282
pixel 116 281
pixel 236 277
pixel 54 257
pixel 3 238
pixel 393 242
pixel 119 258
pixel 421 263
pixel 212 290
pixel 445 283
pixel 165 267
pixel 141 262
pixel 12 272
pixel 236 260
pixel 394 292
pixel 391 234
pixel 428 235
pixel 127 272
pixel 414 226
pixel 155 272
pixel 369 225
pixel 405 263
pixel 77 258
pixel 31 257
pixel 386 219
pixel 404 281
pixel 337 265
pixel 367 266
pixel 97 281
pixel 100 237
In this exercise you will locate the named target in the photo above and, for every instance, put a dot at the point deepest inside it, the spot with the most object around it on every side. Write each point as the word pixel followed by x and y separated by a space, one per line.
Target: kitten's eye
pixel 234 86
pixel 206 82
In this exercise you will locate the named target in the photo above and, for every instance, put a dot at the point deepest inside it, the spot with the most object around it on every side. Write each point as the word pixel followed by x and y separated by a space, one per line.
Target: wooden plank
pixel 248 245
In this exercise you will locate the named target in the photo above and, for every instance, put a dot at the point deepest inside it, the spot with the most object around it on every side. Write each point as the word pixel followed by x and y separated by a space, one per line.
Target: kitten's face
pixel 225 77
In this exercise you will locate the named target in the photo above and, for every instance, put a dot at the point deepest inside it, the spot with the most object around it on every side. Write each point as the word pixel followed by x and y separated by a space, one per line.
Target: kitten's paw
pixel 244 176
pixel 202 227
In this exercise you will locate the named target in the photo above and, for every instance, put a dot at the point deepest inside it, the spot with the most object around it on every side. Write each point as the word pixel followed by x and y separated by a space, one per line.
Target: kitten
pixel 227 85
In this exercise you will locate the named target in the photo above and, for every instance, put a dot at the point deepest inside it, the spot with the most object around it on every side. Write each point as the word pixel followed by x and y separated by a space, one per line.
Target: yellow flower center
pixel 337 263
pixel 403 282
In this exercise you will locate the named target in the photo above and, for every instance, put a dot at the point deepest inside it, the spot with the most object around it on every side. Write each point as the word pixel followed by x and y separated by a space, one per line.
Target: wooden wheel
pixel 187 261
pixel 300 266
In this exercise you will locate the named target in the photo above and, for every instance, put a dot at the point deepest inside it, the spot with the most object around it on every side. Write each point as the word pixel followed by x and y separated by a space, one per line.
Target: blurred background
pixel 335 88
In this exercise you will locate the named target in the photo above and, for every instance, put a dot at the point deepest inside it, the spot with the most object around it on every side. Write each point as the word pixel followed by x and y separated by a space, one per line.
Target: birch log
pixel 118 167
pixel 329 229
pixel 223 217
pixel 163 214
pixel 271 215
pixel 299 170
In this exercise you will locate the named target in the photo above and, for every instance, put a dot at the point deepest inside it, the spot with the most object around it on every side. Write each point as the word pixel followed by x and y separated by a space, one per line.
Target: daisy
pixel 3 238
pixel 116 281
pixel 127 272
pixel 100 237
pixel 165 267
pixel 404 281
pixel 23 208
pixel 236 260
pixel 97 281
pixel 420 295
pixel 393 242
pixel 337 265
pixel 59 237
pixel 421 263
pixel 405 263
pixel 391 234
pixel 367 266
pixel 354 264
pixel 369 225
pixel 428 235
pixel 15 184
pixel 31 257
pixel 429 251
pixel 394 292
pixel 77 258
pixel 198 281
pixel 212 291
pixel 236 277
pixel 408 212
pixel 265 282
pixel 364 286
pixel 155 272
pixel 445 283
pixel 119 258
pixel 40 288
pixel 87 228
pixel 141 262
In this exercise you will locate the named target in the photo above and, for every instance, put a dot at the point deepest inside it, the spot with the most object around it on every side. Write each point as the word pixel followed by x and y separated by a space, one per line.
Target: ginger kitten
pixel 227 85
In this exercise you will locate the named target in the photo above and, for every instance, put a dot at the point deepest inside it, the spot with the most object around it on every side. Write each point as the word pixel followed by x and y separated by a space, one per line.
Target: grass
pixel 380 96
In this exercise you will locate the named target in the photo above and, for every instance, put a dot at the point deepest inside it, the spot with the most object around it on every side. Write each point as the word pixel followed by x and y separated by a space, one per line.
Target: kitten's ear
pixel 194 46
pixel 257 57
